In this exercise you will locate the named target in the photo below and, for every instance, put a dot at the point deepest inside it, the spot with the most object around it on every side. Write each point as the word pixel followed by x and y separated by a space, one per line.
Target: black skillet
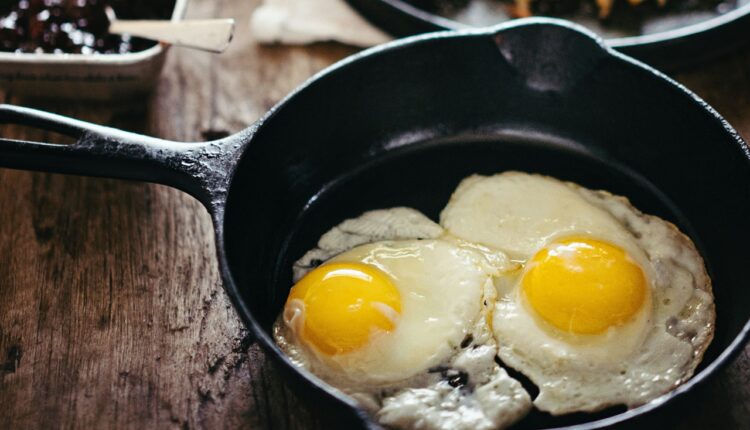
pixel 682 33
pixel 401 125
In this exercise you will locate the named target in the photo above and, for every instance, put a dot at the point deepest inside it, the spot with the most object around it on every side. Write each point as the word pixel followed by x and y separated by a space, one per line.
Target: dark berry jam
pixel 73 26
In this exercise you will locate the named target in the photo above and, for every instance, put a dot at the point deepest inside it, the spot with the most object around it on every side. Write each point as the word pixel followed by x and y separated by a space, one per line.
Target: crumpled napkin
pixel 307 21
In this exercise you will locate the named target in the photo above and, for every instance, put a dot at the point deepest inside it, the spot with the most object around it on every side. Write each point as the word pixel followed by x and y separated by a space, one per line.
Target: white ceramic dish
pixel 90 77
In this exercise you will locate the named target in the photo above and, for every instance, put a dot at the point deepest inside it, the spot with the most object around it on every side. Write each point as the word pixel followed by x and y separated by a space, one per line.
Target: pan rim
pixel 231 286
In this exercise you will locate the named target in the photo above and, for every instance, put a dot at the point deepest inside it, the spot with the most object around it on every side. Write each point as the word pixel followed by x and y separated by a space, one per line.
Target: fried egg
pixel 608 305
pixel 399 319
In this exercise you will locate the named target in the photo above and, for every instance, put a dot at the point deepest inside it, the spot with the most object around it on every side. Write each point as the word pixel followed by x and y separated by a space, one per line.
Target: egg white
pixel 631 364
pixel 437 369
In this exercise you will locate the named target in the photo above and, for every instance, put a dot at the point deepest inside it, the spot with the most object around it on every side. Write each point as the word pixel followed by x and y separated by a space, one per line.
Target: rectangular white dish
pixel 82 76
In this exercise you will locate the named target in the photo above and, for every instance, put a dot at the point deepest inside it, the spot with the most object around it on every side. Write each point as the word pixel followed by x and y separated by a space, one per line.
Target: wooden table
pixel 112 313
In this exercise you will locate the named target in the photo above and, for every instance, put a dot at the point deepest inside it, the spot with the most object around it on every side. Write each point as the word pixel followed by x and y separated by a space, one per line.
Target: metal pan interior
pixel 423 176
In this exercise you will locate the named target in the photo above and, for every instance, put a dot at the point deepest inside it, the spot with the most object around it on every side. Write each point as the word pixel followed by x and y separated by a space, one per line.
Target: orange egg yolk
pixel 337 307
pixel 584 286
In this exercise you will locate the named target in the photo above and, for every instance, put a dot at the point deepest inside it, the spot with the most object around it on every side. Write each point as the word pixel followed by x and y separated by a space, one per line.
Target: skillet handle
pixel 200 169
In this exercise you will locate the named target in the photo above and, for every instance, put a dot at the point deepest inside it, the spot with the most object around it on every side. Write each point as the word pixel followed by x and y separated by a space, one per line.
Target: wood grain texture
pixel 111 308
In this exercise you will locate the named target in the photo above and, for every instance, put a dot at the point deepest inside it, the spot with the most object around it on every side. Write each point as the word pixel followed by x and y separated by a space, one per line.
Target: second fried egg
pixel 609 307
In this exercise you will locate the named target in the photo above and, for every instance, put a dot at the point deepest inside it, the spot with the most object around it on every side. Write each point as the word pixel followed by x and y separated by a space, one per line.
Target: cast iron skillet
pixel 676 39
pixel 401 124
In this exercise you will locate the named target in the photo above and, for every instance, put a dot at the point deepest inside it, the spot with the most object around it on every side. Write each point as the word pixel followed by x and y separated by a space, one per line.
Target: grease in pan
pixel 595 302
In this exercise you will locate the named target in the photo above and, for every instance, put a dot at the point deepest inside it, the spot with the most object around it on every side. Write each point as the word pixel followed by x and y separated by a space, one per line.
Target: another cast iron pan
pixel 686 33
pixel 402 125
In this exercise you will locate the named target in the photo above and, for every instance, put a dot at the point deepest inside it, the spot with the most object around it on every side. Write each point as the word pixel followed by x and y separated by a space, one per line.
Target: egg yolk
pixel 340 305
pixel 584 286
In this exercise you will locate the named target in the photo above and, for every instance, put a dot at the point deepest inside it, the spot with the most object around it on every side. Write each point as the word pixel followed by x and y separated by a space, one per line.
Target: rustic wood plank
pixel 111 309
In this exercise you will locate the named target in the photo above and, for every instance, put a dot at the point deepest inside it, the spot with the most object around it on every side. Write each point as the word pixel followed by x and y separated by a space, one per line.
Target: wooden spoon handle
pixel 207 34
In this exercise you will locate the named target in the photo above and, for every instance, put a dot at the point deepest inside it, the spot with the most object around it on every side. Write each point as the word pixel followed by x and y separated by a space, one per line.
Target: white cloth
pixel 307 21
